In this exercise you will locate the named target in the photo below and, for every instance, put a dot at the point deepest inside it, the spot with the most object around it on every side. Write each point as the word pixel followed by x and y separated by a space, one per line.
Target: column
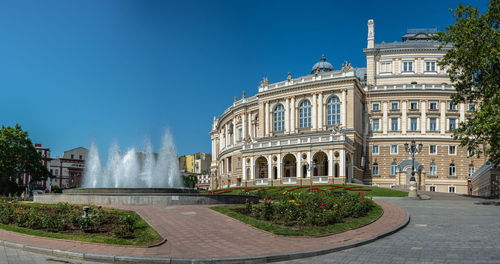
pixel 250 128
pixel 279 166
pixel 342 163
pixel 270 167
pixel 243 126
pixel 266 116
pixel 299 166
pixel 384 117
pixel 442 118
pixel 423 117
pixel 313 115
pixel 244 168
pixel 309 159
pixel 234 131
pixel 330 163
pixel 404 118
pixel 287 115
pixel 292 115
pixel 252 168
pixel 344 108
pixel 320 111
pixel 462 112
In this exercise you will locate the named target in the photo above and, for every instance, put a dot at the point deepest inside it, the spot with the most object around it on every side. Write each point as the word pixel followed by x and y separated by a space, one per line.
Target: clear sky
pixel 76 71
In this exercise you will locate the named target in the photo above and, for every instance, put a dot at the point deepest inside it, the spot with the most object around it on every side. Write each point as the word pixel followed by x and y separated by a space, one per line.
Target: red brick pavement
pixel 208 234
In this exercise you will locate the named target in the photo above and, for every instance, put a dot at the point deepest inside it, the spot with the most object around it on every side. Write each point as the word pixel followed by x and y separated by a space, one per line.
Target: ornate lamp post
pixel 413 149
pixel 311 179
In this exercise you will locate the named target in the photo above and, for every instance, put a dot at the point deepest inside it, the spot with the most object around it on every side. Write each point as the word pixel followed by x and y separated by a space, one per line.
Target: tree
pixel 473 64
pixel 190 181
pixel 18 156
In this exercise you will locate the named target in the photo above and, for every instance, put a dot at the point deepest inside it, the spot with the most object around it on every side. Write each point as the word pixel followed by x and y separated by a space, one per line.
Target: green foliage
pixel 189 181
pixel 310 209
pixel 17 156
pixel 473 64
pixel 56 189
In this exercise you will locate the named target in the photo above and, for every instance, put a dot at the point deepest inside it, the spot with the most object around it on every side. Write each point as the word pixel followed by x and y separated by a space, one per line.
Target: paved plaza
pixel 446 229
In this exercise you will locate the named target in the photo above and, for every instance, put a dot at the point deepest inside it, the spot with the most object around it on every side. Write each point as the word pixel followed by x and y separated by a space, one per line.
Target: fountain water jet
pixel 134 169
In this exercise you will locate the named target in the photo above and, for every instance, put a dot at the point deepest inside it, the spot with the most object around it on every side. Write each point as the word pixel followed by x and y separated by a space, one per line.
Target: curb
pixel 165 260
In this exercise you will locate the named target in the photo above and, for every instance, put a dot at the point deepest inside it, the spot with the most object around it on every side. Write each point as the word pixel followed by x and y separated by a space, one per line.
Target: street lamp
pixel 311 179
pixel 413 149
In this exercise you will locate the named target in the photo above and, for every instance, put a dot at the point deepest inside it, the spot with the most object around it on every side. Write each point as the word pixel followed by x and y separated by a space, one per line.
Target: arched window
pixel 432 169
pixel 279 118
pixel 452 170
pixel 333 111
pixel 305 114
pixel 394 168
pixel 375 169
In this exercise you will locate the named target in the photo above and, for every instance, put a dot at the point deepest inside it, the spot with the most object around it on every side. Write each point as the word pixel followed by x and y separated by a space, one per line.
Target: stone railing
pixel 412 87
pixel 261 182
pixel 320 179
pixel 289 180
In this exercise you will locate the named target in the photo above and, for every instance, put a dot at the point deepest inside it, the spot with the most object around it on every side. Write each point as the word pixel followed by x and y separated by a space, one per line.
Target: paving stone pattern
pixel 199 232
pixel 446 229
pixel 16 256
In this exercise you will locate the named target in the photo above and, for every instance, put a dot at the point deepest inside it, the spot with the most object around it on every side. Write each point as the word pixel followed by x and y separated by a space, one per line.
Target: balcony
pixel 272 142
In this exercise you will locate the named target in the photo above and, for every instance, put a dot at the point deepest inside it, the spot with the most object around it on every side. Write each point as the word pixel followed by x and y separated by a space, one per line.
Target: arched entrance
pixel 320 160
pixel 406 165
pixel 261 168
pixel 289 166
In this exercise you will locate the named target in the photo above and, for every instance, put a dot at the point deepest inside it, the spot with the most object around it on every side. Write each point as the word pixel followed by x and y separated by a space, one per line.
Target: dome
pixel 322 66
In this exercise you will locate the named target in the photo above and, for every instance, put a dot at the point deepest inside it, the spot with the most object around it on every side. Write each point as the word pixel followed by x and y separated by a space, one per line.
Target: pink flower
pixel 323 204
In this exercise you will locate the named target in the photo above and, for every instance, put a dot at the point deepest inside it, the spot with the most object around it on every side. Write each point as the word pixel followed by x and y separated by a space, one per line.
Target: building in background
pixel 485 182
pixel 68 170
pixel 198 163
pixel 350 125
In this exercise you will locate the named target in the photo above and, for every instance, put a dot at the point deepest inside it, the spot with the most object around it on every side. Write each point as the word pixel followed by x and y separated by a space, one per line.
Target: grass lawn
pixel 367 190
pixel 144 234
pixel 373 215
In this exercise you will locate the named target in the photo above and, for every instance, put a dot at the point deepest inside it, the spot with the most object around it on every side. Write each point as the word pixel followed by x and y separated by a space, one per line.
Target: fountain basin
pixel 141 196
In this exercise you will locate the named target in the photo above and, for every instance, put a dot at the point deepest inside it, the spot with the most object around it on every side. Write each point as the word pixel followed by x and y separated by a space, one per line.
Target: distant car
pixel 37 192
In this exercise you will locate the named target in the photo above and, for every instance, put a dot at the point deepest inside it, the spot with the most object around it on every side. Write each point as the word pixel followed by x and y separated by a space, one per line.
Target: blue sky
pixel 72 72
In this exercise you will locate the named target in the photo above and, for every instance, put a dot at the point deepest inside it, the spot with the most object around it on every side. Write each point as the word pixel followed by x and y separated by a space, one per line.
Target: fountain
pixel 136 178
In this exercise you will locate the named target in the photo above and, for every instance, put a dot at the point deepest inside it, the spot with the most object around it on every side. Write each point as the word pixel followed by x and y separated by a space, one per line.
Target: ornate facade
pixel 349 125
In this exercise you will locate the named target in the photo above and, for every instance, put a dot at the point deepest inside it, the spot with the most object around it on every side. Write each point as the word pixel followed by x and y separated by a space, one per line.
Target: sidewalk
pixel 196 232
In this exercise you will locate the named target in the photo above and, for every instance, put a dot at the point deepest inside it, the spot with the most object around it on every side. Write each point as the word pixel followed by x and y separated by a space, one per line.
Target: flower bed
pixel 124 226
pixel 310 209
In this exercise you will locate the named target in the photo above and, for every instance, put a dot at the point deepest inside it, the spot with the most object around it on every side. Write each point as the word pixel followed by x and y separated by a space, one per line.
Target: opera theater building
pixel 349 125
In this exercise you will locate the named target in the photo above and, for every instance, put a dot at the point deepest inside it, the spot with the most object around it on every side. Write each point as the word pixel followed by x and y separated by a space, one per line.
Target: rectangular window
pixel 432 169
pixel 229 164
pixel 471 170
pixel 452 106
pixel 394 124
pixel 432 124
pixel 394 106
pixel 452 150
pixel 451 189
pixel 394 149
pixel 386 67
pixel 453 124
pixel 240 134
pixel 472 107
pixel 432 188
pixel 433 106
pixel 407 66
pixel 413 124
pixel 432 149
pixel 375 149
pixel 414 105
pixel 376 107
pixel 430 66
pixel 375 169
pixel 376 124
